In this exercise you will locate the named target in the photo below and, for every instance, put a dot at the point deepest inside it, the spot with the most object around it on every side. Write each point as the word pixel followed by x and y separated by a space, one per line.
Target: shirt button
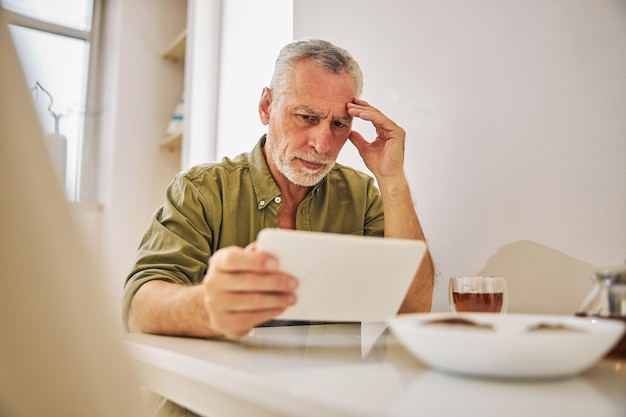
pixel 262 203
pixel 277 200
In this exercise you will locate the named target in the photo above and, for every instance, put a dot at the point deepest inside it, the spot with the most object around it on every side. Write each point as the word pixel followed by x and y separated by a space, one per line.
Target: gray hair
pixel 324 53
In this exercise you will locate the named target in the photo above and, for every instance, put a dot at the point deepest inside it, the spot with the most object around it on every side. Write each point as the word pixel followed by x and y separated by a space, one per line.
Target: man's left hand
pixel 384 156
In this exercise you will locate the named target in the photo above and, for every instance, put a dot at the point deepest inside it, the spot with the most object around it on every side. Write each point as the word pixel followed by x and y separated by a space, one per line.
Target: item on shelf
pixel 176 121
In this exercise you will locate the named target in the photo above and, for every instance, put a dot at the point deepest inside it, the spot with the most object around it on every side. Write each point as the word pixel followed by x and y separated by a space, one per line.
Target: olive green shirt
pixel 215 205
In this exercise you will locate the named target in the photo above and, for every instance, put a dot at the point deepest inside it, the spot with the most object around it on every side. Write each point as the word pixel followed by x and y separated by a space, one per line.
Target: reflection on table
pixel 351 370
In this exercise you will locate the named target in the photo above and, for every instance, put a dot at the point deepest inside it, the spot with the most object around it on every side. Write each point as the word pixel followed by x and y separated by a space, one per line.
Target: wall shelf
pixel 172 141
pixel 176 49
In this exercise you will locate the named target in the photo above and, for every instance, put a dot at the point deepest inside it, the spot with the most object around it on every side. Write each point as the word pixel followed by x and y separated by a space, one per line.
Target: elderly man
pixel 198 272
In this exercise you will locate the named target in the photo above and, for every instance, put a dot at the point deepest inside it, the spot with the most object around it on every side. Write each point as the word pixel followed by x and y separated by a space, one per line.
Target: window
pixel 56 41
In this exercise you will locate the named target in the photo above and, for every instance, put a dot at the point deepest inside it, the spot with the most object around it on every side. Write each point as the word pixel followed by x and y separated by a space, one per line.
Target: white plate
pixel 507 347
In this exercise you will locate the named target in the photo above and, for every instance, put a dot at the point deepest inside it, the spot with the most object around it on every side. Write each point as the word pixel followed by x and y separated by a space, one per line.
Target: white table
pixel 346 370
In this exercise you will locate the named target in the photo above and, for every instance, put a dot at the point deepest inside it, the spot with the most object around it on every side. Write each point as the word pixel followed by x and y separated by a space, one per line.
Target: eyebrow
pixel 315 113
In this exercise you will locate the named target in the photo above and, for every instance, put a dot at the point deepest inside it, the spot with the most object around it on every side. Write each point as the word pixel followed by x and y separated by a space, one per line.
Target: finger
pixel 360 102
pixel 237 325
pixel 378 119
pixel 233 259
pixel 357 106
pixel 369 114
pixel 244 302
pixel 358 140
pixel 228 317
pixel 255 282
pixel 363 110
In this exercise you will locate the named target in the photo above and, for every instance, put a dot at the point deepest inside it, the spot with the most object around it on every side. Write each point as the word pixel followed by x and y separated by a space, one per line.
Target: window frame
pixel 85 188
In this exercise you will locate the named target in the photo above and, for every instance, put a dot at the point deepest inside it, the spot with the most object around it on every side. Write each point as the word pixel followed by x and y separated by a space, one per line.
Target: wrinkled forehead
pixel 308 84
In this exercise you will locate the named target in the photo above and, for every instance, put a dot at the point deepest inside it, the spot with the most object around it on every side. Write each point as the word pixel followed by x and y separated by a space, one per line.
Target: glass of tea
pixel 478 294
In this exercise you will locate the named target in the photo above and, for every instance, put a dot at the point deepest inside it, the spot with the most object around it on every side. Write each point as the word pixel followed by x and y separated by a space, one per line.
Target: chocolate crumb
pixel 459 321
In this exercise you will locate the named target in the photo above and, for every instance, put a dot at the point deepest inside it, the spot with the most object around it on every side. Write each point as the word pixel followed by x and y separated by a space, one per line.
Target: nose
pixel 321 139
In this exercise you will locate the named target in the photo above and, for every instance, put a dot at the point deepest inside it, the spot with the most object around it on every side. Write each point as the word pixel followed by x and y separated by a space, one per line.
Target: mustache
pixel 313 158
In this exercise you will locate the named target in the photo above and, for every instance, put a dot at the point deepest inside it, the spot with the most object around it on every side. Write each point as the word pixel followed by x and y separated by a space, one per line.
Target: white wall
pixel 201 81
pixel 516 130
pixel 252 34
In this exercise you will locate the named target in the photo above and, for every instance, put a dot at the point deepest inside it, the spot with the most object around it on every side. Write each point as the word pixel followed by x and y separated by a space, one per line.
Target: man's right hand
pixel 244 288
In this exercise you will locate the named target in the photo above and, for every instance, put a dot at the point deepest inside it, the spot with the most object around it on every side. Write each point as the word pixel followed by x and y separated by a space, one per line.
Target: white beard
pixel 296 173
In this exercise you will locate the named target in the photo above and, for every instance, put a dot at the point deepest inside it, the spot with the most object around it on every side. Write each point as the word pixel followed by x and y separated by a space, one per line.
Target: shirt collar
pixel 265 188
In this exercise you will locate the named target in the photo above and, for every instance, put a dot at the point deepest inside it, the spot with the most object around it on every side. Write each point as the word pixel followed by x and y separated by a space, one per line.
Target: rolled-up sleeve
pixel 177 245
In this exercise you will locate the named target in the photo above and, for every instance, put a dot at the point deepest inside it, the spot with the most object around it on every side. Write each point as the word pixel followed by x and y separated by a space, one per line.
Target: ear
pixel 265 105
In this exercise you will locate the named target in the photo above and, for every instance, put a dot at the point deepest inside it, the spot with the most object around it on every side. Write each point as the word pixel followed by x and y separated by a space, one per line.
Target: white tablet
pixel 344 277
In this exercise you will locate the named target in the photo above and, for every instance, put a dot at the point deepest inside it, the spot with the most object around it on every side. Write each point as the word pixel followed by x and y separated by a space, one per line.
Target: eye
pixel 308 118
pixel 338 123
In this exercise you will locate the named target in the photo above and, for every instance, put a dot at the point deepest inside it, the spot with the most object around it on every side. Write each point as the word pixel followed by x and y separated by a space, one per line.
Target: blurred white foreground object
pixel 60 351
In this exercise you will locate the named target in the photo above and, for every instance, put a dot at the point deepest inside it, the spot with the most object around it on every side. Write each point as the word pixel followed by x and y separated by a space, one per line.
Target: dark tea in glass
pixel 477 294
pixel 488 302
